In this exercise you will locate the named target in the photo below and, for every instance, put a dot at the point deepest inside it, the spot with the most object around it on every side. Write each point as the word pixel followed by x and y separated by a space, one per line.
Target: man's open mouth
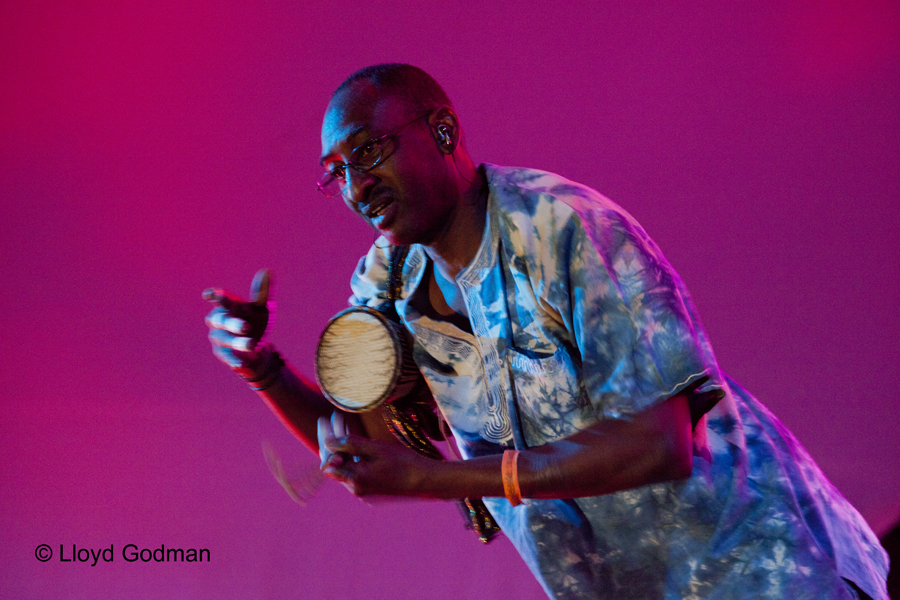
pixel 377 208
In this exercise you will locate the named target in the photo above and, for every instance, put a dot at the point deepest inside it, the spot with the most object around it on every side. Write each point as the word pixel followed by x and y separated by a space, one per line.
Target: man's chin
pixel 389 235
pixel 395 240
pixel 394 235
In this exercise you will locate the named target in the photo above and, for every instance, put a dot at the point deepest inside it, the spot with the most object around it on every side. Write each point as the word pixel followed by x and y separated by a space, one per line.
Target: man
pixel 567 358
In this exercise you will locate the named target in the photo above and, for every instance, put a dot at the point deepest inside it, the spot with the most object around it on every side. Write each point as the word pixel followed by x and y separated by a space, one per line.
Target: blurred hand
pixel 236 327
pixel 369 467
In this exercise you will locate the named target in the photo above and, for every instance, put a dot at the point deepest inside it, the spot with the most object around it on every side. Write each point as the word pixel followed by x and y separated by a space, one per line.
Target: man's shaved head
pixel 411 85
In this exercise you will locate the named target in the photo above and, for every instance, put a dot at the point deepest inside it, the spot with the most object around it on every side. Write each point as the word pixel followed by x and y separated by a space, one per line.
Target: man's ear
pixel 445 129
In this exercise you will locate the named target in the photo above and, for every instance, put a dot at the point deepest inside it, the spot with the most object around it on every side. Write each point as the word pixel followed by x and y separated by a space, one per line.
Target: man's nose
pixel 356 184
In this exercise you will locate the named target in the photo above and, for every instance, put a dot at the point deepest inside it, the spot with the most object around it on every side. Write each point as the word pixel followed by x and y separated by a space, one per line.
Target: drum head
pixel 358 360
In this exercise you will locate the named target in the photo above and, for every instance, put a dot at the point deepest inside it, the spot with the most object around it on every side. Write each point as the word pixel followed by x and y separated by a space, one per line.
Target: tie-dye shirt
pixel 575 316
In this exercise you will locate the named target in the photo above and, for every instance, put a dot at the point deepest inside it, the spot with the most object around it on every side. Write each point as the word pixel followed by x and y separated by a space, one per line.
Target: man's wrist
pixel 264 370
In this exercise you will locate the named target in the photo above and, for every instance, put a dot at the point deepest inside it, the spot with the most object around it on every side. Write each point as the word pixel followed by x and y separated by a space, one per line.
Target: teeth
pixel 377 212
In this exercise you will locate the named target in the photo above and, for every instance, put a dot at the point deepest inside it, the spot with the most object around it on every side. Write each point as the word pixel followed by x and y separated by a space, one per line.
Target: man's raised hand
pixel 236 327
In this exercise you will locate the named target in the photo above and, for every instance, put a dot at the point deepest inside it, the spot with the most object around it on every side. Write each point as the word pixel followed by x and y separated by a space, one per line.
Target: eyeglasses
pixel 363 158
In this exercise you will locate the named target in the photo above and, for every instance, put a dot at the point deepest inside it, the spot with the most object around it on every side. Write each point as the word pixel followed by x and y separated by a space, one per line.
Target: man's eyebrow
pixel 349 135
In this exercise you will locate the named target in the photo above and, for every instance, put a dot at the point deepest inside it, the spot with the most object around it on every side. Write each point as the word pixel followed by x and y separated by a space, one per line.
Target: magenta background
pixel 150 151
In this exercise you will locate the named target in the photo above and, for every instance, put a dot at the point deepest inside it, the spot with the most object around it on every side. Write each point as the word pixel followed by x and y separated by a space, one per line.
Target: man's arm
pixel 612 455
pixel 235 330
pixel 299 405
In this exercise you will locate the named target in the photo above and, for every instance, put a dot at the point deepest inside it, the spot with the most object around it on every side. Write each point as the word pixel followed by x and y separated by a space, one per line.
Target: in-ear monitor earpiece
pixel 444 133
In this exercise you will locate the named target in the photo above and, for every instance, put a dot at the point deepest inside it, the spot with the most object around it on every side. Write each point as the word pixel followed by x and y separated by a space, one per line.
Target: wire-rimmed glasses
pixel 364 157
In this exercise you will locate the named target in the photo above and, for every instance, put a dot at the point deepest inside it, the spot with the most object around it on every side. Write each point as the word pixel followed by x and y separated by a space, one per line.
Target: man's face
pixel 409 195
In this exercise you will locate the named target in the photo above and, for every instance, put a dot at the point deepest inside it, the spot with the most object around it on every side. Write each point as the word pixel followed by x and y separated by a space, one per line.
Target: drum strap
pixel 395 272
pixel 412 419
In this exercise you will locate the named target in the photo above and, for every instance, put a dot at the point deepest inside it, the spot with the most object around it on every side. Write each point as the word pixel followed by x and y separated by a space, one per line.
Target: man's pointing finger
pixel 259 288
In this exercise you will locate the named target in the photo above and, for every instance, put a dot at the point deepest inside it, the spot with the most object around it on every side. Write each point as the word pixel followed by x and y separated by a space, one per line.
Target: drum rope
pixel 409 418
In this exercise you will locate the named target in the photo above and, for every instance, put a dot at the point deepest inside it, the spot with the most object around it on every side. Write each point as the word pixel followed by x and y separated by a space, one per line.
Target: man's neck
pixel 458 246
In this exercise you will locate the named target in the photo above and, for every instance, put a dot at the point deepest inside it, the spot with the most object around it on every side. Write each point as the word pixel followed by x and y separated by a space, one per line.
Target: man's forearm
pixel 611 456
pixel 298 404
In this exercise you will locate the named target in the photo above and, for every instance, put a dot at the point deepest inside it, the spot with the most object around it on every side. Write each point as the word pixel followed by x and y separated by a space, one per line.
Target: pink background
pixel 150 150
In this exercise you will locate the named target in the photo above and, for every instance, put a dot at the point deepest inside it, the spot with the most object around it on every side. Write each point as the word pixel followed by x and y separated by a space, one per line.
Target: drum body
pixel 364 359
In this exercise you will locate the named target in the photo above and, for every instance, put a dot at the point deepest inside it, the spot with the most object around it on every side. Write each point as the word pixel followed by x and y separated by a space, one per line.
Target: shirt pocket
pixel 552 403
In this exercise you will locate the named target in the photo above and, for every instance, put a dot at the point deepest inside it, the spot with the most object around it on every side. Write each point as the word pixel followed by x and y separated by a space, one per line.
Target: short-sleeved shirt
pixel 574 317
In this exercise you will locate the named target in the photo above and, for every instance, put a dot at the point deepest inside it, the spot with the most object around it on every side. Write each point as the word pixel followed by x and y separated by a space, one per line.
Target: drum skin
pixel 364 359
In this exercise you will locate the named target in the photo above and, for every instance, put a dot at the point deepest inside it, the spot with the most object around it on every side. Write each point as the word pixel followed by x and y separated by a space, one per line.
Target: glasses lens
pixel 329 185
pixel 366 156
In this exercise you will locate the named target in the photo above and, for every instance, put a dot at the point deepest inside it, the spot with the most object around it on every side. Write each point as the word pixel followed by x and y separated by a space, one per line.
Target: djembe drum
pixel 364 361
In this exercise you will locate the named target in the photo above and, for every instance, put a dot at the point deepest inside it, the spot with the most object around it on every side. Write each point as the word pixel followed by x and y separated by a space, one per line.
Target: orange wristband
pixel 509 471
